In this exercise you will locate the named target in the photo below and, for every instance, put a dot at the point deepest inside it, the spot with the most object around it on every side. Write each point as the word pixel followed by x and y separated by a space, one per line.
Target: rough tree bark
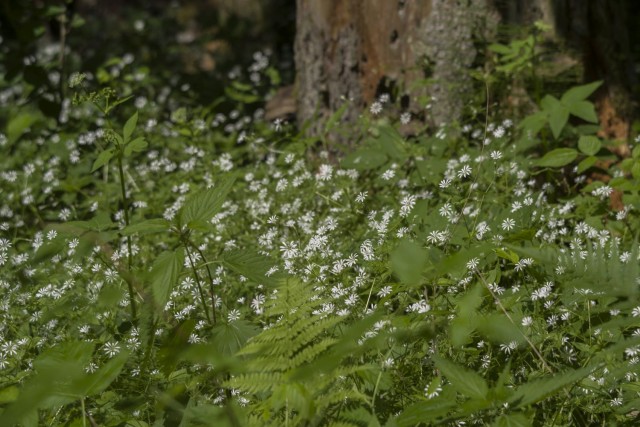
pixel 358 49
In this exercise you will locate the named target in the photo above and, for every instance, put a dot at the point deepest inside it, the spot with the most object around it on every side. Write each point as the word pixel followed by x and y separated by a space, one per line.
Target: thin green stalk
pixel 125 203
pixel 200 291
pixel 213 298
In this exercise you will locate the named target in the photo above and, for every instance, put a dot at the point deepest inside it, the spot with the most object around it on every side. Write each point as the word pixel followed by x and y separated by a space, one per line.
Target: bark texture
pixel 353 49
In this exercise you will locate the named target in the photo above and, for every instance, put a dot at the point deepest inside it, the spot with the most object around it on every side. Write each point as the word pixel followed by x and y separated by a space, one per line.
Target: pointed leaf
pixel 465 381
pixel 164 275
pixel 103 159
pixel 408 260
pixel 558 118
pixel 580 93
pixel 537 390
pixel 585 110
pixel 98 381
pixel 557 158
pixel 129 127
pixel 250 264
pixel 135 146
pixel 205 204
pixel 587 163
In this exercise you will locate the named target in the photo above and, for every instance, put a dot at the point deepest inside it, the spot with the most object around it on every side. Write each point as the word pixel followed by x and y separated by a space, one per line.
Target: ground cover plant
pixel 167 263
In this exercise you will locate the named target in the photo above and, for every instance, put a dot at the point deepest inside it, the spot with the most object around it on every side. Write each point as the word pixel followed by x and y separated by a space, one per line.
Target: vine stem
pixel 125 204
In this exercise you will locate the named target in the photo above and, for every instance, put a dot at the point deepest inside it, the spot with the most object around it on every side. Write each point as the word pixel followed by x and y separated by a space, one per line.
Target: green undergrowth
pixel 165 263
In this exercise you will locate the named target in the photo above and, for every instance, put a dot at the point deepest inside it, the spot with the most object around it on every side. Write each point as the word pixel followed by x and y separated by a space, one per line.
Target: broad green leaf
pixel 19 125
pixel 426 411
pixel 558 118
pixel 407 262
pixel 589 145
pixel 537 390
pixel 250 264
pixel 103 159
pixel 580 93
pixel 98 381
pixel 129 127
pixel 164 275
pixel 135 146
pixel 230 337
pixel 635 170
pixel 364 159
pixel 557 158
pixel 498 329
pixel 516 419
pixel 587 163
pixel 635 153
pixel 148 226
pixel 534 123
pixel 585 110
pixel 9 394
pixel 463 380
pixel 202 206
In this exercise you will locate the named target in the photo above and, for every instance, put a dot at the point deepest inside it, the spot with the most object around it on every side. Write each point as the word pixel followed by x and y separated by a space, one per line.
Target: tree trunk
pixel 356 50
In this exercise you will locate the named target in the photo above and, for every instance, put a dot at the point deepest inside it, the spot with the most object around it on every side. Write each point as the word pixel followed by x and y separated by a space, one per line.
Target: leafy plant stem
pixel 84 413
pixel 211 290
pixel 198 283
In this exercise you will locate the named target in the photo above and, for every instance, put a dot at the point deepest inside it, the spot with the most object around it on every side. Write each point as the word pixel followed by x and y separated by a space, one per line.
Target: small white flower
pixel 361 196
pixel 233 315
pixel 405 118
pixel 376 108
pixel 464 172
pixel 508 224
pixel 111 349
pixel 473 263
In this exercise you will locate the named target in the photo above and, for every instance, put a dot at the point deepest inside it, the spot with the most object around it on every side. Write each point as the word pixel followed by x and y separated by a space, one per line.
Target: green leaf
pixel 164 274
pixel 635 153
pixel 534 122
pixel 19 124
pixel 250 264
pixel 230 337
pixel 557 158
pixel 516 419
pixel 135 146
pixel 129 127
pixel 587 163
pixel 426 411
pixel 103 159
pixel 364 159
pixel 537 390
pixel 589 145
pixel 585 110
pixel 204 205
pixel 558 118
pixel 98 381
pixel 463 380
pixel 407 262
pixel 9 394
pixel 148 226
pixel 580 93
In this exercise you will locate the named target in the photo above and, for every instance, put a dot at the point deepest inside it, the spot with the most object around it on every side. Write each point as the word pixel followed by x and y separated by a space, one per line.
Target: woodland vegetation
pixel 319 213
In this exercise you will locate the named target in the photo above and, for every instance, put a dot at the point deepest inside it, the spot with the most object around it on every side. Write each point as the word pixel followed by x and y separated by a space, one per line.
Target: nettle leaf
pixel 589 145
pixel 164 274
pixel 129 127
pixel 407 262
pixel 580 93
pixel 202 206
pixel 463 380
pixel 135 146
pixel 230 337
pixel 537 390
pixel 557 158
pixel 250 264
pixel 148 226
pixel 103 159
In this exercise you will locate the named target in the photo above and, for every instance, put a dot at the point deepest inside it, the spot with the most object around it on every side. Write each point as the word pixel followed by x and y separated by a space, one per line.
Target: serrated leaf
pixel 589 145
pixel 250 264
pixel 463 380
pixel 103 159
pixel 164 275
pixel 425 411
pixel 537 390
pixel 557 158
pixel 585 110
pixel 587 163
pixel 148 226
pixel 230 337
pixel 205 204
pixel 580 93
pixel 135 146
pixel 513 420
pixel 129 127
